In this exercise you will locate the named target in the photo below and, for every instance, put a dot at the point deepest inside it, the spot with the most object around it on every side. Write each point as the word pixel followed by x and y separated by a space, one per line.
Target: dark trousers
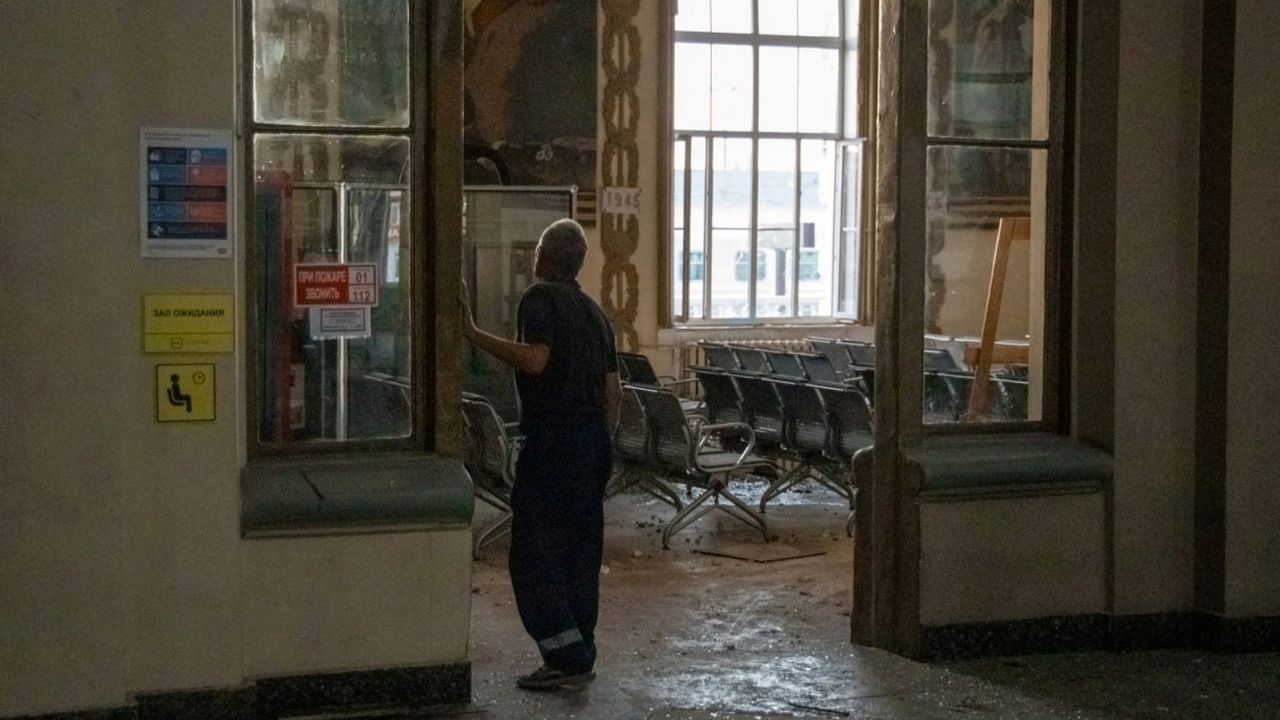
pixel 557 537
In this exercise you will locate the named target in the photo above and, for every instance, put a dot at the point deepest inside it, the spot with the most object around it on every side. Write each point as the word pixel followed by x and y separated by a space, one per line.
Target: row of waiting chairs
pixel 797 412
pixel 947 385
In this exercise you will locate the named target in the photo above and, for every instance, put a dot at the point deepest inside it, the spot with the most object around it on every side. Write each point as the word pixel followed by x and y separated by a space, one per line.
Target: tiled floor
pixel 686 635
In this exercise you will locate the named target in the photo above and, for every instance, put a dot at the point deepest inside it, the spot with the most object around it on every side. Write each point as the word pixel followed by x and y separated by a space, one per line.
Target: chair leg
pixel 662 490
pixel 688 514
pixel 752 517
pixel 620 481
pixel 848 526
pixel 493 531
pixel 835 482
pixel 788 480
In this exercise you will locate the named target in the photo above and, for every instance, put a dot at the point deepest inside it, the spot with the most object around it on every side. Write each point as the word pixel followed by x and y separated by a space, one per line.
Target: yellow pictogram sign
pixel 185 393
pixel 188 324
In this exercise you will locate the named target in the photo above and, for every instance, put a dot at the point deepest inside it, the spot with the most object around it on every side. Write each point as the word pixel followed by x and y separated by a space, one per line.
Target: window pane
pixel 820 17
pixel 731 87
pixel 731 16
pixel 778 89
pixel 331 64
pixel 983 201
pixel 731 222
pixel 334 200
pixel 777 17
pixel 697 224
pixel 677 227
pixel 819 94
pixel 776 220
pixel 693 15
pixel 850 250
pixel 501 227
pixel 852 86
pixel 989 68
pixel 693 86
pixel 817 218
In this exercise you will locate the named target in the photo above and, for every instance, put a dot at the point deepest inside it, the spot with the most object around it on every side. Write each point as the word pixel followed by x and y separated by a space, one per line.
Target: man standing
pixel 567 382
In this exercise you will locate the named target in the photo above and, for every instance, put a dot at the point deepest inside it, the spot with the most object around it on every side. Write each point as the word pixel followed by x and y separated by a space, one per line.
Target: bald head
pixel 561 251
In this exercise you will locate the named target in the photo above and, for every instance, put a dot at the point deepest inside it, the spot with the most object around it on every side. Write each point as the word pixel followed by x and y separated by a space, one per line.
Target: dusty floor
pixel 690 636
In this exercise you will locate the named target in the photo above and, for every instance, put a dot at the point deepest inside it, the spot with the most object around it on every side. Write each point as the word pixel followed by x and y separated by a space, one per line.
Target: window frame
pixel 421 130
pixel 855 125
pixel 1059 230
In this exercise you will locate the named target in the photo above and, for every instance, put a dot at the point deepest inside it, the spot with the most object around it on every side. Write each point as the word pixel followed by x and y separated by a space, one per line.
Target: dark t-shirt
pixel 571 387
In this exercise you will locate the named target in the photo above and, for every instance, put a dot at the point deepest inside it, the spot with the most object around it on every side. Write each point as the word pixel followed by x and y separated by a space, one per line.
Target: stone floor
pixel 685 635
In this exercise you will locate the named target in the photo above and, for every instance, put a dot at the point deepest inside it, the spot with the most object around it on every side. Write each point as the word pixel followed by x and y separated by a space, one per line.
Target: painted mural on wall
pixel 530 113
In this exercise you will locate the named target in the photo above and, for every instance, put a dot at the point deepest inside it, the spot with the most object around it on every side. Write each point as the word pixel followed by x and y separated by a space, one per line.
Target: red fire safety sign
pixel 323 284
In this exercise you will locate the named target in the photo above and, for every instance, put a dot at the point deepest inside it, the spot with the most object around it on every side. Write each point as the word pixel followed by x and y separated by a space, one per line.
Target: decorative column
pixel 620 165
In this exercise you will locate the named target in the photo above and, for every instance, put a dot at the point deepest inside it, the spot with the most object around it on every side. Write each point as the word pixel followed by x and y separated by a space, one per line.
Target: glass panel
pixel 693 15
pixel 731 87
pixel 678 177
pixel 777 17
pixel 693 86
pixel 731 223
pixel 817 222
pixel 985 208
pixel 776 220
pixel 502 227
pixel 341 63
pixel 989 68
pixel 819 94
pixel 778 89
pixel 852 85
pixel 850 249
pixel 697 224
pixel 731 16
pixel 820 17
pixel 334 200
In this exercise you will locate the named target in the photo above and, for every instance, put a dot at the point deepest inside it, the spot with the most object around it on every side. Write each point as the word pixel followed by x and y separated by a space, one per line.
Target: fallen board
pixel 762 552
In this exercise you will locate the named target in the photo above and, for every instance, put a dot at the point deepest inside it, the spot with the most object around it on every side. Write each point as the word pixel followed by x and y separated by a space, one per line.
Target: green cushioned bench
pixel 356 494
pixel 1008 464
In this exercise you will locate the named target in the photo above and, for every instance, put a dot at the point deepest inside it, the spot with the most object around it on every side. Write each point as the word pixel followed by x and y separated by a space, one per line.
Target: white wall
pixel 1253 410
pixel 123 569
pixel 1155 304
pixel 1011 559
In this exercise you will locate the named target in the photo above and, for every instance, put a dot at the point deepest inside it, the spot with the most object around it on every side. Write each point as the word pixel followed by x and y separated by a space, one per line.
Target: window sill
pixel 360 494
pixel 987 466
pixel 674 334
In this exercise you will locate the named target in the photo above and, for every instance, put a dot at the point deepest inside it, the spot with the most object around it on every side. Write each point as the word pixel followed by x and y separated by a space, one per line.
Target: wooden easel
pixel 1011 230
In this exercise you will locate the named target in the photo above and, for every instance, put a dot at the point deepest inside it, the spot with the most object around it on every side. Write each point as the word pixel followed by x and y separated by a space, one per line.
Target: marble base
pixel 400 687
pixel 1117 633
pixel 273 698
pixel 1240 635
pixel 1076 633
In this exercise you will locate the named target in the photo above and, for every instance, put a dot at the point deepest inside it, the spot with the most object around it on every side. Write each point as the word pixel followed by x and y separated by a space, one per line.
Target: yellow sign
pixel 188 324
pixel 185 393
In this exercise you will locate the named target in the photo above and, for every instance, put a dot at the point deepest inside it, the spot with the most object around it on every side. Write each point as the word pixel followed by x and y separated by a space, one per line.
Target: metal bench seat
pixel 683 451
pixel 635 368
pixel 491 457
pixel 633 455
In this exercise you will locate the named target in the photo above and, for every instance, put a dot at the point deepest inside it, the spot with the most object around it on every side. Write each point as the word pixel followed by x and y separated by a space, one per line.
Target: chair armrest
pixel 706 431
pixel 668 381
pixel 696 422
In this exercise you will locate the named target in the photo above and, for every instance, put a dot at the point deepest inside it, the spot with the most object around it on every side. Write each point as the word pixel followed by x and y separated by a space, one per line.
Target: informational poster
pixel 332 323
pixel 185 193
pixel 186 393
pixel 188 323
